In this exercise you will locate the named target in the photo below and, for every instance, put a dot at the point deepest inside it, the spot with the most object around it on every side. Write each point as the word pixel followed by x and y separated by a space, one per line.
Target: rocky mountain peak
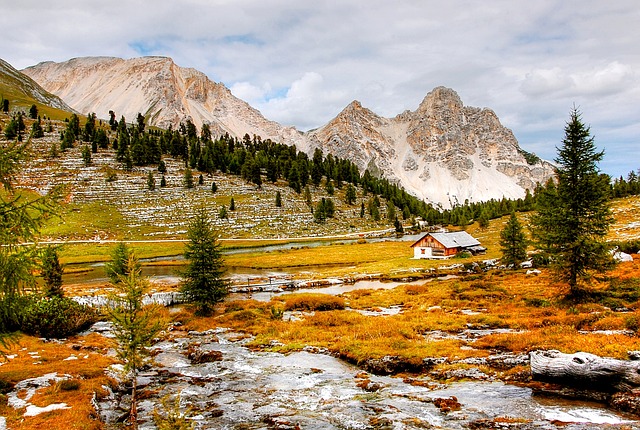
pixel 443 151
pixel 165 93
pixel 440 99
pixel 17 85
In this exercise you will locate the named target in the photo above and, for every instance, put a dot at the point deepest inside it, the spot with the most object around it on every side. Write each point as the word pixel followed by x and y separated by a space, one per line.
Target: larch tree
pixel 203 283
pixel 573 217
pixel 21 217
pixel 134 326
pixel 118 267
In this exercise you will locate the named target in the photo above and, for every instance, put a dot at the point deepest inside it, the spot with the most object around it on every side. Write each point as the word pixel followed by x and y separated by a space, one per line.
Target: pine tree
pixel 163 182
pixel 52 272
pixel 151 181
pixel 350 195
pixel 187 179
pixel 203 283
pixel 574 217
pixel 214 187
pixel 513 243
pixel 232 204
pixel 33 112
pixel 278 199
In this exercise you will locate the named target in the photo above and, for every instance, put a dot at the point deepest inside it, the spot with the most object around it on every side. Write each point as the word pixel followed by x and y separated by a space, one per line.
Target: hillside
pixel 22 92
pixel 107 202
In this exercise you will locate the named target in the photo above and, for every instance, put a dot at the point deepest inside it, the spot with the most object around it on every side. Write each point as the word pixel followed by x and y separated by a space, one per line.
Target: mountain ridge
pixel 443 152
pixel 20 87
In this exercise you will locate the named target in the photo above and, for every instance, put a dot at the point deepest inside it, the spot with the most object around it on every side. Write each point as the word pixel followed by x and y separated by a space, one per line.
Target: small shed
pixel 446 245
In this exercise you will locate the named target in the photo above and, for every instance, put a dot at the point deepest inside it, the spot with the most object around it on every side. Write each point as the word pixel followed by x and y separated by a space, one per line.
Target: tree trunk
pixel 585 370
pixel 133 414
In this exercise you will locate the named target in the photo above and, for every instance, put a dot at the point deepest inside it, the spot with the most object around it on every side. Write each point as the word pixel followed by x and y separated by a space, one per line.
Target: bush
pixel 313 302
pixel 55 317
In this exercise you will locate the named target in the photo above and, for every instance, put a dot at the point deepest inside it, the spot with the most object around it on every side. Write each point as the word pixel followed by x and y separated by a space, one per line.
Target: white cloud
pixel 300 63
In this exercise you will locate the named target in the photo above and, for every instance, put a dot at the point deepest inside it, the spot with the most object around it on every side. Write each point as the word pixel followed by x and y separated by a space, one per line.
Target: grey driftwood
pixel 585 370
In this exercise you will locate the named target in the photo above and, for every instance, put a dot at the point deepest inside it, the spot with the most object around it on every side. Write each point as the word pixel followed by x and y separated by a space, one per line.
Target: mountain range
pixel 443 152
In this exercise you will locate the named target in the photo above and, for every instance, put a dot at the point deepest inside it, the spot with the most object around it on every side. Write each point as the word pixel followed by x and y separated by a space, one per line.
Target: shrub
pixel 55 317
pixel 313 302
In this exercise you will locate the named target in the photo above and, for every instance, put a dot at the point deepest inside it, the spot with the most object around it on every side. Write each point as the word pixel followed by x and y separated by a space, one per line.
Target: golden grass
pixel 528 305
pixel 87 373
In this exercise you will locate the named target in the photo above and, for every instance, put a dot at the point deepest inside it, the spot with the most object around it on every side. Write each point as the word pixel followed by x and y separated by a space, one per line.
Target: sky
pixel 301 62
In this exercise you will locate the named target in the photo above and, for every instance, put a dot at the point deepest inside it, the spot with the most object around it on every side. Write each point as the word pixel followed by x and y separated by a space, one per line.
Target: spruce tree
pixel 513 243
pixel 278 199
pixel 203 284
pixel 350 195
pixel 52 272
pixel 151 181
pixel 187 179
pixel 232 204
pixel 573 217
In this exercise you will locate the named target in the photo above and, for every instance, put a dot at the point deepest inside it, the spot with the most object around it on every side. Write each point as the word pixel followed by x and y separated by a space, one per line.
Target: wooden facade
pixel 445 245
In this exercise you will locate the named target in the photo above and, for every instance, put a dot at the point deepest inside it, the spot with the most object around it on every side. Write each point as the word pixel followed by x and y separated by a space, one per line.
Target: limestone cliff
pixel 443 152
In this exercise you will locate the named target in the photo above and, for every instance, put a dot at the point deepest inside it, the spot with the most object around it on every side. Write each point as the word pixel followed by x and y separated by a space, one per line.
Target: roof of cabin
pixel 454 239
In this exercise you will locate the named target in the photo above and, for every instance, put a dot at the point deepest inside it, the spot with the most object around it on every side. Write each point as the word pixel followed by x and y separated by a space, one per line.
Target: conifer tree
pixel 350 195
pixel 573 217
pixel 86 155
pixel 203 284
pixel 151 181
pixel 52 272
pixel 134 325
pixel 118 266
pixel 187 179
pixel 278 199
pixel 33 112
pixel 232 204
pixel 21 217
pixel 513 243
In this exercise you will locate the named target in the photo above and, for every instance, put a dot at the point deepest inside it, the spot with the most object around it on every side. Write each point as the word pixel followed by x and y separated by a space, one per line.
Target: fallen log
pixel 584 370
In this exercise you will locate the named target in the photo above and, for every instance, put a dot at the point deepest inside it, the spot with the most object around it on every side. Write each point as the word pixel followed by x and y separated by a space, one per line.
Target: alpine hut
pixel 446 245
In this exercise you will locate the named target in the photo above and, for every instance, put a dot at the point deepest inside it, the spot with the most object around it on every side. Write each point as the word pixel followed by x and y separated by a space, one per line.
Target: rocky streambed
pixel 225 385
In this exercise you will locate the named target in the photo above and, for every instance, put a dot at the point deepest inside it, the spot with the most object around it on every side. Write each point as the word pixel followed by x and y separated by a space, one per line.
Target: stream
pixel 237 388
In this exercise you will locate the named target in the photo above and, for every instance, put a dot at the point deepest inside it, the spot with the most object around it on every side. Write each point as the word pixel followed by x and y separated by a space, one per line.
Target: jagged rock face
pixel 443 152
pixel 163 92
pixel 12 78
